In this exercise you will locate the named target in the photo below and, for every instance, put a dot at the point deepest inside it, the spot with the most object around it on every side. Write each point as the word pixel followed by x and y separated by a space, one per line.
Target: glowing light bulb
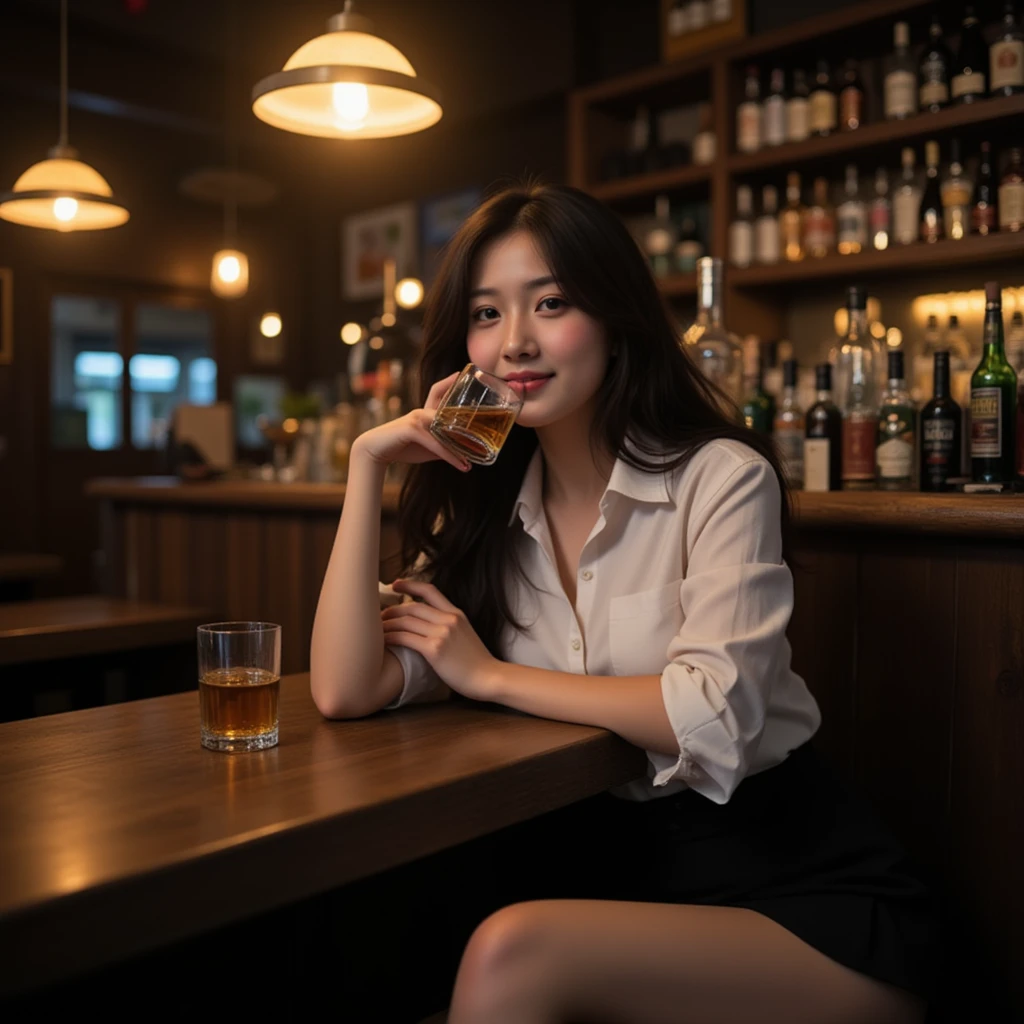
pixel 270 325
pixel 409 292
pixel 229 269
pixel 351 103
pixel 65 208
pixel 351 333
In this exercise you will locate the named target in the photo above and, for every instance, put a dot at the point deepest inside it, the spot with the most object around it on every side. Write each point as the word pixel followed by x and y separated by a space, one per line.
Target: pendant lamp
pixel 62 192
pixel 347 84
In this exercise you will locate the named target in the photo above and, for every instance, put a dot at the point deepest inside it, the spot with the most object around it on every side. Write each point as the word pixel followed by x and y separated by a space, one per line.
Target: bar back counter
pixel 908 627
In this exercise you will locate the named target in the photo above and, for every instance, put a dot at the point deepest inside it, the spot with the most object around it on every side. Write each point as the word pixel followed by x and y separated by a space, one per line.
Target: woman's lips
pixel 528 387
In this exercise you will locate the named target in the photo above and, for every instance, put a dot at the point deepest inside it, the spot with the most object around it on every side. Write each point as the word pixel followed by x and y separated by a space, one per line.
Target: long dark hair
pixel 458 523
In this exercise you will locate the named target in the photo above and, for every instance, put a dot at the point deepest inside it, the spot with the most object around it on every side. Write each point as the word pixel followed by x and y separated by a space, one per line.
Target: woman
pixel 621 565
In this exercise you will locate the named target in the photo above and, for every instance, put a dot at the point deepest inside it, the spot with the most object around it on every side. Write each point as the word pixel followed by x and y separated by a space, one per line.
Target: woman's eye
pixel 484 313
pixel 552 304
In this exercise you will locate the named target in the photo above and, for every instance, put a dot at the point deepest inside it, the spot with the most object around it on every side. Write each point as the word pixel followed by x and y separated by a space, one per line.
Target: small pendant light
pixel 347 84
pixel 62 192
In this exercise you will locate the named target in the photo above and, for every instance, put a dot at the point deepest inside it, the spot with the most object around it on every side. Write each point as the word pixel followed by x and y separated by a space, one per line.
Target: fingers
pixel 427 591
pixel 419 610
pixel 427 440
pixel 438 391
pixel 408 624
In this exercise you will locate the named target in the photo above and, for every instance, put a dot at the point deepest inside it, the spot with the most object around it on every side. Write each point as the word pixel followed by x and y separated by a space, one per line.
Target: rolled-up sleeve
pixel 421 681
pixel 737 598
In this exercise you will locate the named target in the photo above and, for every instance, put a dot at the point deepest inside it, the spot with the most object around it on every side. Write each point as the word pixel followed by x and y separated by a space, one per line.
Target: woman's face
pixel 521 323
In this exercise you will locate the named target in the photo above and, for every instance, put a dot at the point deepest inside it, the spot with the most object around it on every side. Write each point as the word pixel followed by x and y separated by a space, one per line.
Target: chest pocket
pixel 640 628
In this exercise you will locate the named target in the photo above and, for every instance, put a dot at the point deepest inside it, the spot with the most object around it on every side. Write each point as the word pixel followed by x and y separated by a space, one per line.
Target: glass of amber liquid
pixel 239 684
pixel 476 415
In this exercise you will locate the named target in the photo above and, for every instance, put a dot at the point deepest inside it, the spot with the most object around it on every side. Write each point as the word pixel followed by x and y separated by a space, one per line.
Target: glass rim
pixel 503 387
pixel 238 627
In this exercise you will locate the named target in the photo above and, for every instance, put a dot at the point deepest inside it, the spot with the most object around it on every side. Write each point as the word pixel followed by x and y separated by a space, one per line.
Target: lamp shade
pixel 229 277
pixel 347 84
pixel 64 194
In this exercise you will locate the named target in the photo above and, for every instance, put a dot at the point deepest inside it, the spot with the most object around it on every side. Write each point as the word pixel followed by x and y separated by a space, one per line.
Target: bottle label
pixel 704 148
pixel 817 453
pixel 823 111
pixel 798 123
pixel 766 242
pixel 852 224
pixel 819 232
pixel 859 449
pixel 934 90
pixel 983 217
pixel 774 121
pixel 1006 63
pixel 905 209
pixel 1011 205
pixel 748 127
pixel 900 93
pixel 741 243
pixel 986 423
pixel 851 102
pixel 968 85
pixel 895 459
pixel 939 461
pixel 790 446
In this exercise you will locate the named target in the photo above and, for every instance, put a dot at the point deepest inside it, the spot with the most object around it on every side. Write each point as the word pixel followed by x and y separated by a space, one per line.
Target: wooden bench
pixel 72 652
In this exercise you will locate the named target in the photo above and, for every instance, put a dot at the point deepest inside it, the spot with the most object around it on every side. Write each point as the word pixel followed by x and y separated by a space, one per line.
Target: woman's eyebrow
pixel 537 282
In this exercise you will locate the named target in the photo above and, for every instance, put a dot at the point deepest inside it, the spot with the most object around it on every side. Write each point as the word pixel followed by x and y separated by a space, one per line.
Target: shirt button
pixel 587 574
pixel 575 645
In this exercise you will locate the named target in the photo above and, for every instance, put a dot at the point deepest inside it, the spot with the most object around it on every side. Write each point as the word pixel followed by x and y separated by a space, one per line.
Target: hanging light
pixel 230 275
pixel 62 192
pixel 347 84
pixel 270 325
pixel 409 292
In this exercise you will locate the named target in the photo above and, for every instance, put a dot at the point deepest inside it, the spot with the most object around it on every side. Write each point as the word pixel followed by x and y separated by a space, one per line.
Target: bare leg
pixel 608 962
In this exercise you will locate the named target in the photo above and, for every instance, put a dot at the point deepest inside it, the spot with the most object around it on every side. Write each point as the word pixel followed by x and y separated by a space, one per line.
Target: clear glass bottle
pixel 941 427
pixel 758 405
pixel 1006 56
pixel 984 215
pixel 789 428
pixel 741 230
pixel 969 69
pixel 791 221
pixel 932 224
pixel 714 349
pixel 749 114
pixel 956 196
pixel 1011 193
pixel 660 238
pixel 820 222
pixel 934 70
pixel 1015 343
pixel 880 216
pixel 798 126
pixel 894 454
pixel 900 76
pixel 823 437
pixel 851 98
pixel 906 203
pixel 773 117
pixel 851 216
pixel 824 115
pixel 856 363
pixel 766 227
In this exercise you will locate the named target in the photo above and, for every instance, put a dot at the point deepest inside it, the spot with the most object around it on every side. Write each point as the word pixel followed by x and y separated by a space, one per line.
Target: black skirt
pixel 792 843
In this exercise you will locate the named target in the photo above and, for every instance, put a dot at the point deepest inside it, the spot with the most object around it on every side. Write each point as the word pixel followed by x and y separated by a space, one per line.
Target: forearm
pixel 630 706
pixel 347 648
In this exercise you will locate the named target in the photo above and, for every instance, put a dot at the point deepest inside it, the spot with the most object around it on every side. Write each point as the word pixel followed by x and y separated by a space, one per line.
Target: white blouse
pixel 682 576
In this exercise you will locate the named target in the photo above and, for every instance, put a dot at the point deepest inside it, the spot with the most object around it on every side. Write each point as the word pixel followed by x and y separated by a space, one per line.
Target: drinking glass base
pixel 238 744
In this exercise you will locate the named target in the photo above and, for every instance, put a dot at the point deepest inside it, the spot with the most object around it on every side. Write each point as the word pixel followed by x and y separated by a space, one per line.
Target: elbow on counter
pixel 331 699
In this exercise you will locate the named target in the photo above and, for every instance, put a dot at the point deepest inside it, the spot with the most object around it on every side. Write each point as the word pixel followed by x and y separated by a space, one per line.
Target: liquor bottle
pixel 1020 427
pixel 968 83
pixel 856 361
pixel 940 432
pixel 993 401
pixel 851 98
pixel 791 221
pixel 689 248
pixel 931 199
pixel 960 362
pixel 704 145
pixel 820 222
pixel 773 119
pixel 758 406
pixel 698 14
pixel 721 10
pixel 901 76
pixel 984 218
pixel 852 217
pixel 641 153
pixel 748 115
pixel 823 438
pixel 924 361
pixel 1015 344
pixel 894 456
pixel 741 230
pixel 934 70
pixel 677 23
pixel 1006 56
pixel 880 216
pixel 956 196
pixel 789 428
pixel 714 349
pixel 660 238
pixel 798 124
pixel 823 114
pixel 1011 194
pixel 906 204
pixel 766 227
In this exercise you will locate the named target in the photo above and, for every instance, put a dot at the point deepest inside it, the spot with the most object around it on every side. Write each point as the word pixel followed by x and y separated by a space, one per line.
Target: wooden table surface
pixel 121 833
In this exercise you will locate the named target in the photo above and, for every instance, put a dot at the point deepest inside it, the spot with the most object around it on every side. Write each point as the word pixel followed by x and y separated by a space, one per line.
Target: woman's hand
pixel 408 439
pixel 439 631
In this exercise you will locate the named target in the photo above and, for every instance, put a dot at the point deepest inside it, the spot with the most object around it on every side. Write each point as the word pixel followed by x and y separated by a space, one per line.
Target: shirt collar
pixel 625 480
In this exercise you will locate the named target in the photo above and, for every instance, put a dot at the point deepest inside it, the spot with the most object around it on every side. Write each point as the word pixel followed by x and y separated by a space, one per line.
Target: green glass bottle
pixel 993 401
pixel 758 406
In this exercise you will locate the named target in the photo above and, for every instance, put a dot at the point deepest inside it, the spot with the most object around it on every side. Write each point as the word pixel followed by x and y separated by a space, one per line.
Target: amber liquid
pixel 238 708
pixel 475 434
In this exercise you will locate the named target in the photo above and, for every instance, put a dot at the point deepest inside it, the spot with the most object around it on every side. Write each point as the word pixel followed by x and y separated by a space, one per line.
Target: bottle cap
pixel 789 373
pixel 895 366
pixel 823 376
pixel 993 293
pixel 856 297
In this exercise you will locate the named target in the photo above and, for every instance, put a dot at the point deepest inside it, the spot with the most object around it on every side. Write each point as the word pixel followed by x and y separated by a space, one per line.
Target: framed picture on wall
pixel 368 239
pixel 440 218
pixel 6 315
